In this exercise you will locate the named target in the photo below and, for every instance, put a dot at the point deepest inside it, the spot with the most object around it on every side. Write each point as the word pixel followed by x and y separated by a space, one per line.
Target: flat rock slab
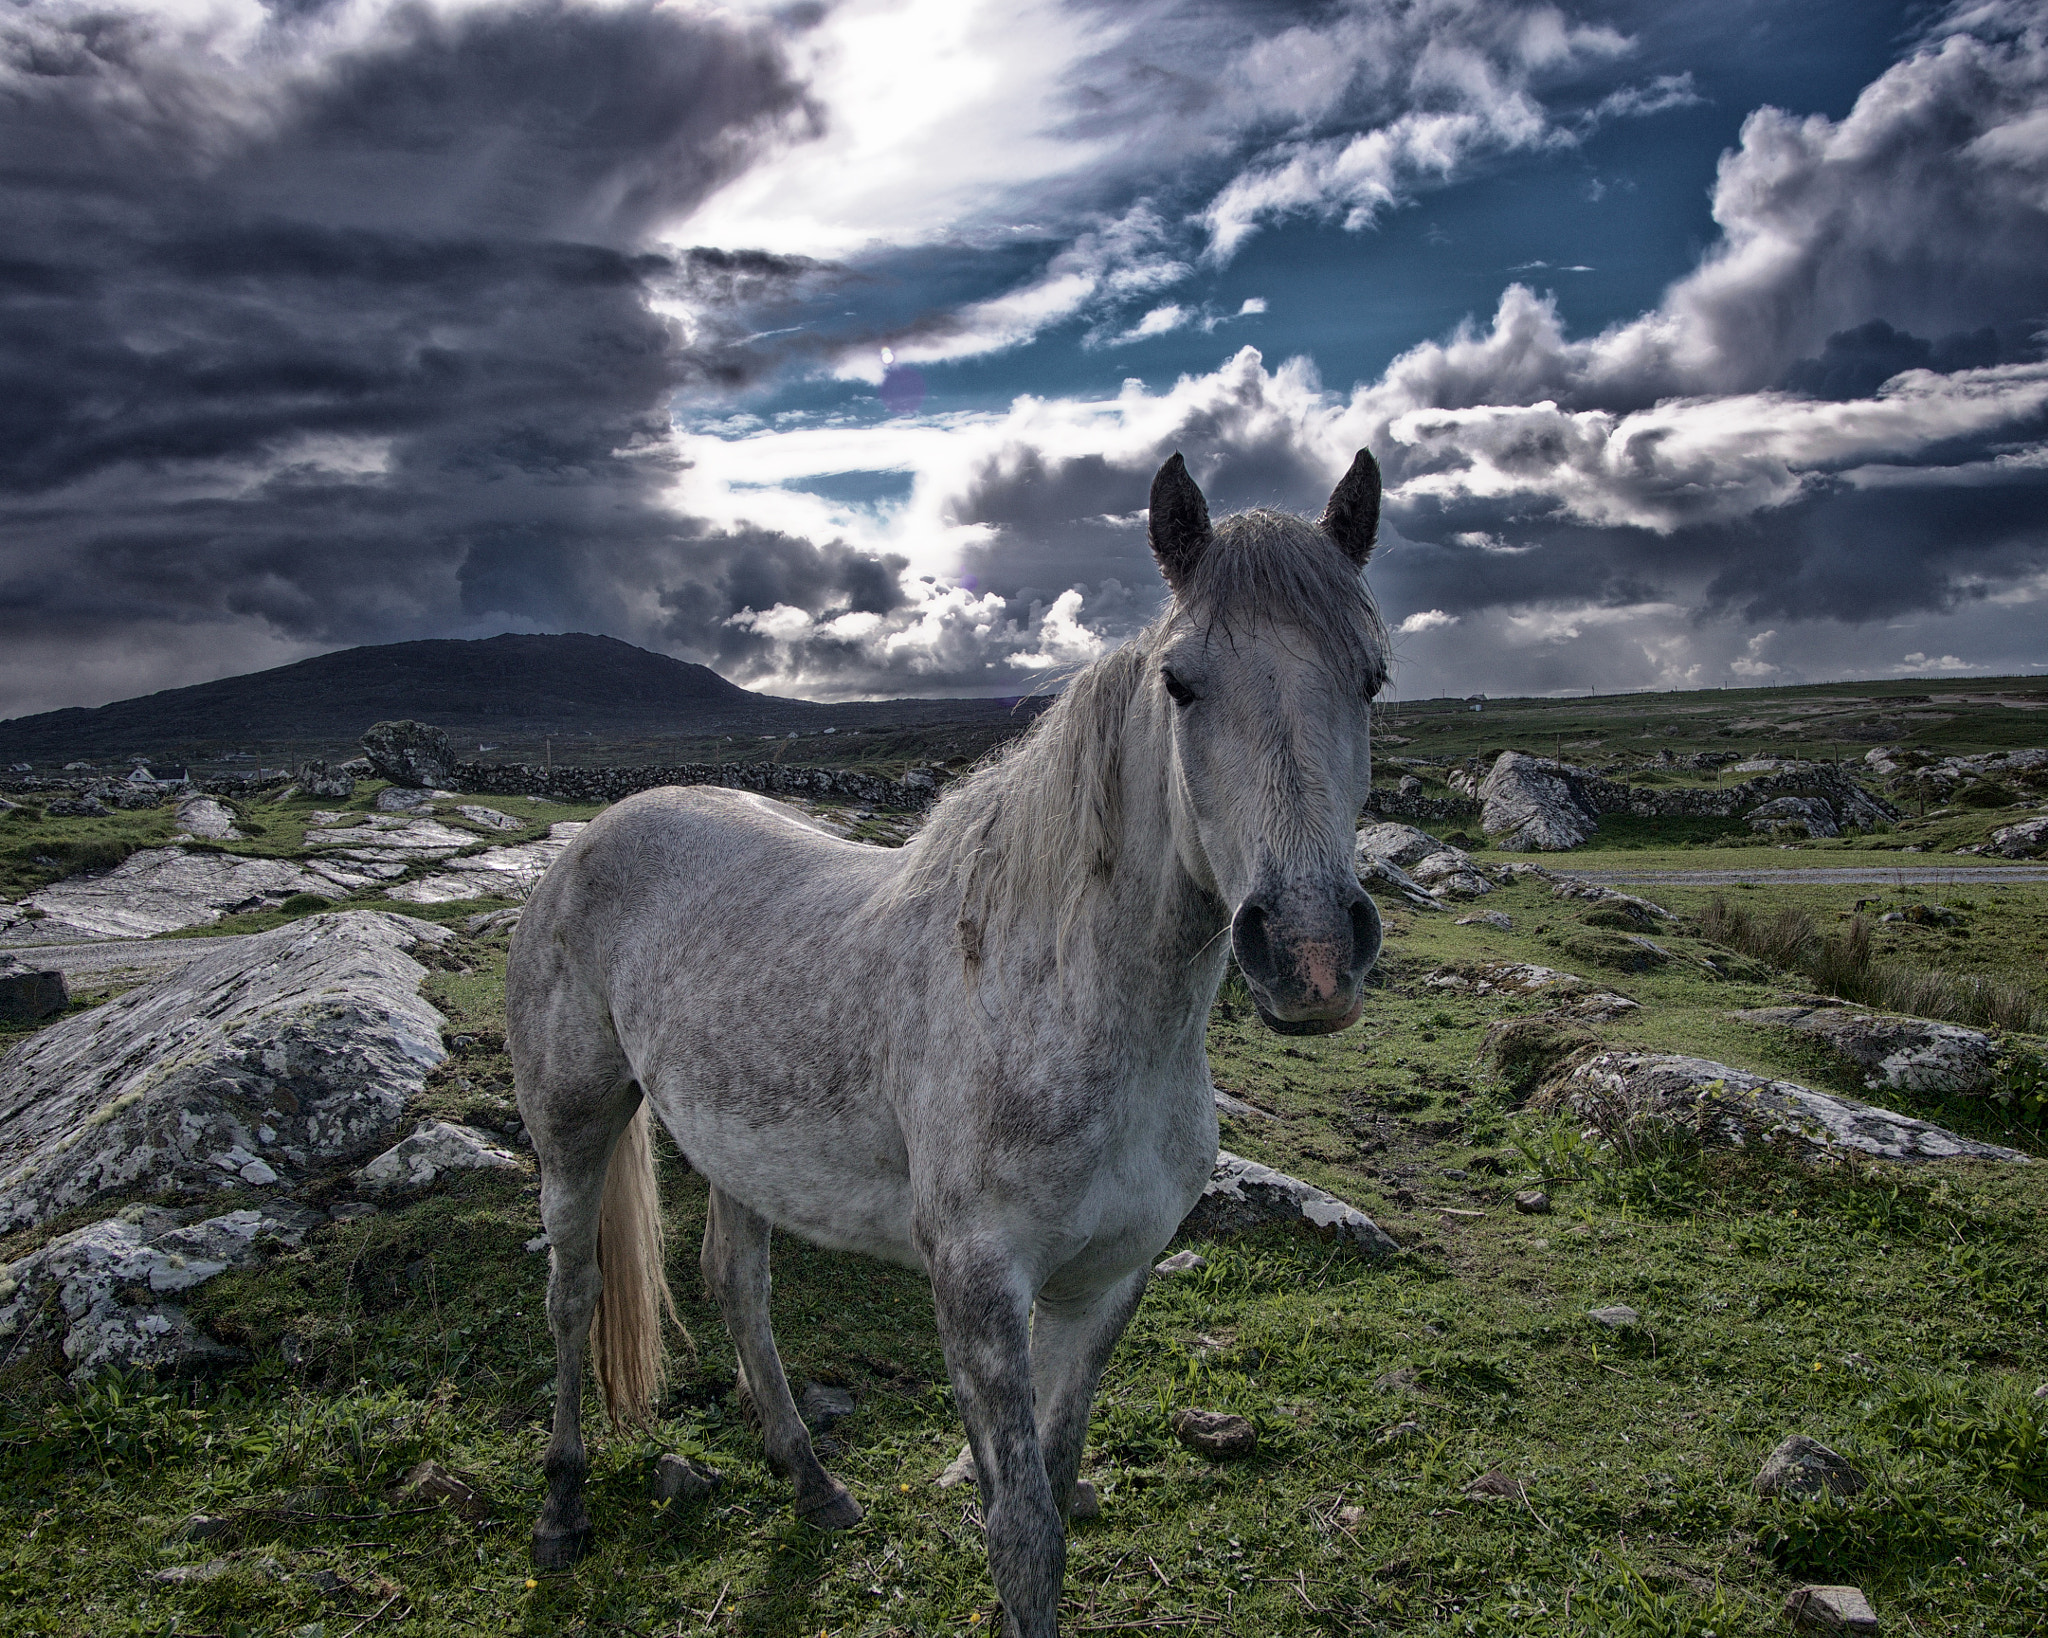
pixel 496 873
pixel 1737 1106
pixel 1895 1053
pixel 294 1050
pixel 109 1293
pixel 435 1148
pixel 1242 1194
pixel 423 838
pixel 160 890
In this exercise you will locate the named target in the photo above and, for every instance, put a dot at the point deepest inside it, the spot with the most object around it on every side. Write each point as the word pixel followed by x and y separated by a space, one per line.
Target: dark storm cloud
pixel 360 345
pixel 729 572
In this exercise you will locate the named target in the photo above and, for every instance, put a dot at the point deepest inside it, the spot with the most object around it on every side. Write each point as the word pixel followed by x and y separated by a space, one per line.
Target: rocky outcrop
pixel 1734 1106
pixel 410 753
pixel 29 995
pixel 1441 870
pixel 1892 1053
pixel 1377 874
pixel 2026 840
pixel 1242 1194
pixel 1807 815
pixel 109 1293
pixel 203 817
pixel 497 873
pixel 162 889
pixel 290 1053
pixel 1538 804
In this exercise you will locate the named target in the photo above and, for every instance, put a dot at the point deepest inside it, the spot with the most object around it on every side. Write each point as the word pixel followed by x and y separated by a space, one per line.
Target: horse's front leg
pixel 1071 1341
pixel 984 1307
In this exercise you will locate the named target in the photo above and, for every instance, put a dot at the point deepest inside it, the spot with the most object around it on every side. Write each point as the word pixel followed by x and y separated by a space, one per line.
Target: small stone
pixel 430 1481
pixel 1495 1486
pixel 186 1575
pixel 2042 1391
pixel 1401 1379
pixel 1488 918
pixel 821 1406
pixel 1616 1317
pixel 1533 1203
pixel 1350 1516
pixel 203 1527
pixel 537 1244
pixel 1087 1505
pixel 960 1470
pixel 28 997
pixel 1215 1433
pixel 1400 1431
pixel 679 1481
pixel 1806 1467
pixel 1830 1609
pixel 1181 1262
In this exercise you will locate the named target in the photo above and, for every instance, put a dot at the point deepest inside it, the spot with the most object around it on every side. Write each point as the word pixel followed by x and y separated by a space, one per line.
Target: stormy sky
pixel 833 345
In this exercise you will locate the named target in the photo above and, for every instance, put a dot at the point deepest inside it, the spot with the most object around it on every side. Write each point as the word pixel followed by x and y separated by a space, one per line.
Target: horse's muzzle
pixel 1305 959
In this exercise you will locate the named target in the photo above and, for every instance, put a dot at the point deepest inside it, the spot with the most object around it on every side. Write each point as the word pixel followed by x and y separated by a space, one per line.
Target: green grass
pixel 1899 1315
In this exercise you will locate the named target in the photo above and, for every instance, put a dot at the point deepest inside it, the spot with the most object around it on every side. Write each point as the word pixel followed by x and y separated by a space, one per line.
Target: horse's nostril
pixel 1252 944
pixel 1365 934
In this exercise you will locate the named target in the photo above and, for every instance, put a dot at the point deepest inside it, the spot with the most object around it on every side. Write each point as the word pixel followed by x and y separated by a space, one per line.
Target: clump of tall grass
pixel 1842 961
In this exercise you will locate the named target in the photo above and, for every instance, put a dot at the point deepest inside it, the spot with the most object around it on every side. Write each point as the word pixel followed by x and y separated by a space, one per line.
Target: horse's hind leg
pixel 575 1124
pixel 735 1264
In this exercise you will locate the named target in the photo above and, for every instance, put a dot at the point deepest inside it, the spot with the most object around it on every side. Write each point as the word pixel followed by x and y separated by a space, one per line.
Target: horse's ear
pixel 1352 519
pixel 1178 522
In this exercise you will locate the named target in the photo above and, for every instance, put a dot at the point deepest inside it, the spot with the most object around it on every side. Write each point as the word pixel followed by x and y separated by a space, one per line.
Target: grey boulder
pixel 410 753
pixel 1529 806
pixel 1894 1053
pixel 292 1051
pixel 434 1149
pixel 1242 1194
pixel 330 784
pixel 29 995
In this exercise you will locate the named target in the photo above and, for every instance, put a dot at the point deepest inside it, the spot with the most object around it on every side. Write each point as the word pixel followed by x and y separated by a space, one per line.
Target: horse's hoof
pixel 560 1549
pixel 834 1510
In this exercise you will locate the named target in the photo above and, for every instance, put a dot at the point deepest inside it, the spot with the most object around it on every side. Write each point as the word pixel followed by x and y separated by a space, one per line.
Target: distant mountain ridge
pixel 480 689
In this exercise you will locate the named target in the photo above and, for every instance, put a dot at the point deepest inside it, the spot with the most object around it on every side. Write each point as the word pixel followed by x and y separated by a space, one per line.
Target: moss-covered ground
pixel 1900 1316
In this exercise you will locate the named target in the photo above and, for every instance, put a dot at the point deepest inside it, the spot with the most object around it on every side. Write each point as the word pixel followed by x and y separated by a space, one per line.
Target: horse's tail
pixel 626 1345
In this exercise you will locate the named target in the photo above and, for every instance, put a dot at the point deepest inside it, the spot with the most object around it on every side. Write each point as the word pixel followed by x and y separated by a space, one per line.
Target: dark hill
pixel 591 694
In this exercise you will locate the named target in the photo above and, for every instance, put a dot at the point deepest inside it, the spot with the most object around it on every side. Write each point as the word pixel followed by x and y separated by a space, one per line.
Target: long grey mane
pixel 1038 827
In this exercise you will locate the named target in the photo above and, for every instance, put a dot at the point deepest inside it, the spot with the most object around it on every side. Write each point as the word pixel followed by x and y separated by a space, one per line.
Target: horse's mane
pixel 1039 823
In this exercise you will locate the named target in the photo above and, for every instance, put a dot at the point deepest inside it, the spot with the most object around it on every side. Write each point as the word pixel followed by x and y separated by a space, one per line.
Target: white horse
pixel 980 1055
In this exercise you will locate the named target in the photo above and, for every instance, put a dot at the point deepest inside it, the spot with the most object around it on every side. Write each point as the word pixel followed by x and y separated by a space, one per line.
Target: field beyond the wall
pixel 1449 1440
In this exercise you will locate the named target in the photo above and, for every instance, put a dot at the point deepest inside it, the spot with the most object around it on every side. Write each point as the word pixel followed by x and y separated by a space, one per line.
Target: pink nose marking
pixel 1319 964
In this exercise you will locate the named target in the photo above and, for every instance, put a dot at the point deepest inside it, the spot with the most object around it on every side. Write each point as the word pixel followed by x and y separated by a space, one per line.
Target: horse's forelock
pixel 1268 569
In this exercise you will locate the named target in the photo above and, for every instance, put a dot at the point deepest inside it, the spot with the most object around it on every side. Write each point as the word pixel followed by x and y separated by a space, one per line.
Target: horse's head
pixel 1265 667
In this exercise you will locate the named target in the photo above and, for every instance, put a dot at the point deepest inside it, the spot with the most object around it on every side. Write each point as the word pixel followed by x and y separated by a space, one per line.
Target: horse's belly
pixel 840 1184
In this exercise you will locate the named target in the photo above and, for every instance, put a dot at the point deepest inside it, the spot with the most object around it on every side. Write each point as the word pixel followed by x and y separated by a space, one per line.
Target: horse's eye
pixel 1181 693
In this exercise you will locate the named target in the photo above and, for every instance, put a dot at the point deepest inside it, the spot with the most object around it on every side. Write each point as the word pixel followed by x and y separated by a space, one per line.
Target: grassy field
pixel 1900 1316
